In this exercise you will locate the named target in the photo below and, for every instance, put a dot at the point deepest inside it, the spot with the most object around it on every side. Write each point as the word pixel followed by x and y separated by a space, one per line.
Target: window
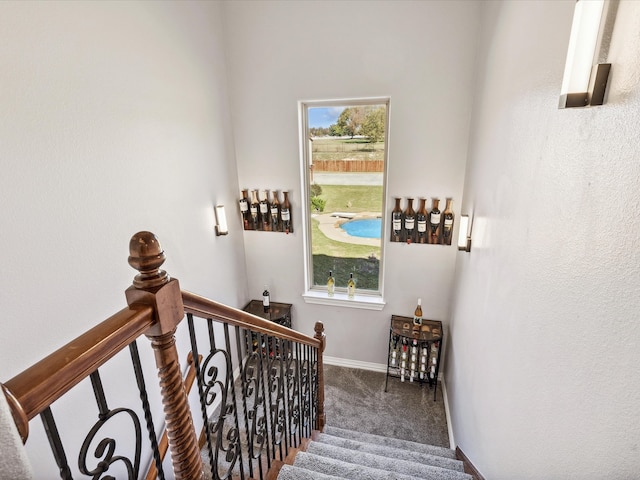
pixel 344 159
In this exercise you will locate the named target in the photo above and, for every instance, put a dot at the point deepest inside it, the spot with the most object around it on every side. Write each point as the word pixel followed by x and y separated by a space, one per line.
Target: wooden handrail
pixel 205 308
pixel 33 390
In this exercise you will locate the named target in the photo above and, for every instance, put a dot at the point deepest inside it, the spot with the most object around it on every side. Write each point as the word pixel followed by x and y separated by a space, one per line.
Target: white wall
pixel 114 120
pixel 544 329
pixel 421 54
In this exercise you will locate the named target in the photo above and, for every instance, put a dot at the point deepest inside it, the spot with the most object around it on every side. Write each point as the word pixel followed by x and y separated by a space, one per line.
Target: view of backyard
pixel 346 185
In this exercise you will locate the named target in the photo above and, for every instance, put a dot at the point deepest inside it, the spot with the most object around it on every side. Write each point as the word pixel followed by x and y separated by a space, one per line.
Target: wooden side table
pixel 414 353
pixel 279 313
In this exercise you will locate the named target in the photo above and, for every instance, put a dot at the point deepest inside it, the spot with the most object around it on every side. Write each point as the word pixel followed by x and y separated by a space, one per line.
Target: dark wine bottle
pixel 285 214
pixel 396 222
pixel 435 217
pixel 275 211
pixel 244 209
pixel 265 216
pixel 253 208
pixel 447 223
pixel 266 300
pixel 421 220
pixel 409 221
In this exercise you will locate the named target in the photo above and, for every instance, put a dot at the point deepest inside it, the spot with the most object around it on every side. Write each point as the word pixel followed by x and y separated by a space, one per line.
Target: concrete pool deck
pixel 330 226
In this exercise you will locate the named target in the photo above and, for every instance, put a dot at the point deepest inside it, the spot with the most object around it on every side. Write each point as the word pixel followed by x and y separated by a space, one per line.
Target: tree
pixel 373 125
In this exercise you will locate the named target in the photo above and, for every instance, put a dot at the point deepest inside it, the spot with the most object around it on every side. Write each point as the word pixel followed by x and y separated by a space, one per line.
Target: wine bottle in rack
pixel 275 211
pixel 394 350
pixel 265 216
pixel 266 300
pixel 447 223
pixel 331 284
pixel 434 223
pixel 253 209
pixel 409 221
pixel 421 221
pixel 244 209
pixel 351 286
pixel 396 222
pixel 285 214
pixel 417 314
pixel 414 359
pixel 404 355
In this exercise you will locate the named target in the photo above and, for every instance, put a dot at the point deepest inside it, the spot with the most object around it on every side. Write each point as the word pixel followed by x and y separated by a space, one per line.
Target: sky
pixel 323 116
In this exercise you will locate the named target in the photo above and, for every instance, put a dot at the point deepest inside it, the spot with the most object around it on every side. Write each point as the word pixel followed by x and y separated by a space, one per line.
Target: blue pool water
pixel 366 228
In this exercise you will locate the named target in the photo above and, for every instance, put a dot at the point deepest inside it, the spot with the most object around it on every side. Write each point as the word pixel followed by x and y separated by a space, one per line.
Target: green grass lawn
pixel 344 258
pixel 339 148
pixel 352 198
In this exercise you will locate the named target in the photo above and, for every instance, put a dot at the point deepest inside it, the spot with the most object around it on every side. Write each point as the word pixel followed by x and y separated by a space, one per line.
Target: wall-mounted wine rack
pixel 431 227
pixel 265 214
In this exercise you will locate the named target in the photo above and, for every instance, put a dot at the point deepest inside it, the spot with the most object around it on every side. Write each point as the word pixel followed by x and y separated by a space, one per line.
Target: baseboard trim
pixel 447 412
pixel 345 362
pixel 468 466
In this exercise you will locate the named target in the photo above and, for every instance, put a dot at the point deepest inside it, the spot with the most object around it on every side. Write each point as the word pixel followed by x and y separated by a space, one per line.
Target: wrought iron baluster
pixel 135 358
pixel 56 444
pixel 201 389
pixel 105 450
pixel 231 384
pixel 266 399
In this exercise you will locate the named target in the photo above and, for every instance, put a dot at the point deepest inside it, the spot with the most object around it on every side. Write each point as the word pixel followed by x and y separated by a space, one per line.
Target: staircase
pixel 339 454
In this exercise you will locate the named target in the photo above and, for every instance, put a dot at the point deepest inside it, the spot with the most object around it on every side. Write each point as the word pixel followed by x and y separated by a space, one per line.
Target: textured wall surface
pixel 114 120
pixel 282 52
pixel 544 329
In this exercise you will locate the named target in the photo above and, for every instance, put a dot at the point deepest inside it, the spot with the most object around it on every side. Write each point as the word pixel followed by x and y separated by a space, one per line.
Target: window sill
pixel 364 302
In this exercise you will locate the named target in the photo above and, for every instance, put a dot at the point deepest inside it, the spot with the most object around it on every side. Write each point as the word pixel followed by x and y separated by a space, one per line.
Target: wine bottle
pixel 275 211
pixel 396 222
pixel 266 300
pixel 331 284
pixel 351 286
pixel 434 223
pixel 447 227
pixel 285 214
pixel 264 211
pixel 421 220
pixel 417 314
pixel 409 221
pixel 244 209
pixel 253 208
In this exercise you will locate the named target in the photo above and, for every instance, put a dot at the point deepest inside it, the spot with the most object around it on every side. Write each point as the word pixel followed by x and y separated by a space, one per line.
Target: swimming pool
pixel 364 228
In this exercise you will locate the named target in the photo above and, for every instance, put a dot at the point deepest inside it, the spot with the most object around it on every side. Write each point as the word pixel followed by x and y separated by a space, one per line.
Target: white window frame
pixel 364 299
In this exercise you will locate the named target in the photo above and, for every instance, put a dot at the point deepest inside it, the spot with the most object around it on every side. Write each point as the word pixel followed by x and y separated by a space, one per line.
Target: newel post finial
pixel 153 287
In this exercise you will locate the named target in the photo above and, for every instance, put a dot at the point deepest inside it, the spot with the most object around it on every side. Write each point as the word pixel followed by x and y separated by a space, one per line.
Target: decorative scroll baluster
pixel 152 286
pixel 106 448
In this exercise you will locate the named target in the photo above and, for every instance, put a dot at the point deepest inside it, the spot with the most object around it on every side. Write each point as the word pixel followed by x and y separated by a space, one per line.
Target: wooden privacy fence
pixel 348 165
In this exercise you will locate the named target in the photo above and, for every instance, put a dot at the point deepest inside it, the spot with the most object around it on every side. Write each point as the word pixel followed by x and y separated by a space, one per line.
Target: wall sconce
pixel 579 86
pixel 221 221
pixel 464 234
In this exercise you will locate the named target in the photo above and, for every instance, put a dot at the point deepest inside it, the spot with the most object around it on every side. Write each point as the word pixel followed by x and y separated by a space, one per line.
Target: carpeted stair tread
pixel 346 470
pixel 390 442
pixel 290 472
pixel 395 453
pixel 394 465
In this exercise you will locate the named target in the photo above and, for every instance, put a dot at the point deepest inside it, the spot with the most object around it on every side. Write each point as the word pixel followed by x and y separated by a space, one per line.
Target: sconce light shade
pixel 464 234
pixel 221 221
pixel 581 55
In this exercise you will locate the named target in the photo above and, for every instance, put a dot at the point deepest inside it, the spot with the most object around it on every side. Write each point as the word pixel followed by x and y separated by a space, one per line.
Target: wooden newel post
pixel 319 329
pixel 153 287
